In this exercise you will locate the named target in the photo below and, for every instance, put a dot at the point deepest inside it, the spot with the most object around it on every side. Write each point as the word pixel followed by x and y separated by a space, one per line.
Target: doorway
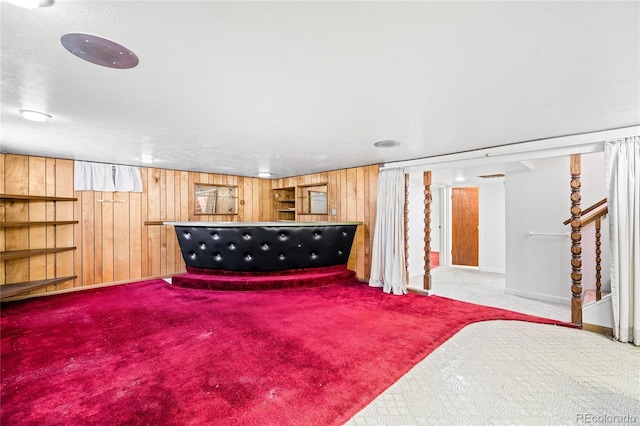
pixel 464 226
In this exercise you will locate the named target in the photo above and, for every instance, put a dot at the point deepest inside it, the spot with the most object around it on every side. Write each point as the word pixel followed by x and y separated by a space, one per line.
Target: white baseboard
pixel 494 270
pixel 538 296
pixel 418 290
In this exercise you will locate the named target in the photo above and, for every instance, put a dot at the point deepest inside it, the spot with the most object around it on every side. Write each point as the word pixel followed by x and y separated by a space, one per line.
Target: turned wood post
pixel 426 281
pixel 576 249
pixel 406 225
pixel 598 260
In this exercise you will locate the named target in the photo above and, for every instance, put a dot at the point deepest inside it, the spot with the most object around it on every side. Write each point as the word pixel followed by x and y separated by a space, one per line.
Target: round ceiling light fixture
pixel 99 51
pixel 264 174
pixel 26 4
pixel 387 144
pixel 34 115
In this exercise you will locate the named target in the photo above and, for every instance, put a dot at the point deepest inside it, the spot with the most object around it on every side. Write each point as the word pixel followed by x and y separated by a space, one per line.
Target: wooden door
pixel 464 226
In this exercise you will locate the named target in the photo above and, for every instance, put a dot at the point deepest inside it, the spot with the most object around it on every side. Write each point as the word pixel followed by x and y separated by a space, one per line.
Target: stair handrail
pixel 598 214
pixel 602 210
pixel 588 210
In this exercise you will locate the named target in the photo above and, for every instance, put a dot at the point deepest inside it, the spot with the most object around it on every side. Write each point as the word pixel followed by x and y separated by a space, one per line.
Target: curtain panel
pixel 388 265
pixel 106 177
pixel 622 179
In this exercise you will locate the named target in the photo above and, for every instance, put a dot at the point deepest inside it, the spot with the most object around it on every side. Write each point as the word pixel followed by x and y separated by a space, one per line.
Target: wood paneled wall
pixel 352 194
pixel 44 177
pixel 114 240
pixel 117 243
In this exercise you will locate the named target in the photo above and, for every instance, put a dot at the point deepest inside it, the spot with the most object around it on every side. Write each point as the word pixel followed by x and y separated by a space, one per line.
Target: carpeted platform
pixel 208 279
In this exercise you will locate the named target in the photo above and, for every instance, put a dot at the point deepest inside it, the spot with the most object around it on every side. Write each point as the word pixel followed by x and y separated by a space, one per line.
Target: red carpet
pixel 154 354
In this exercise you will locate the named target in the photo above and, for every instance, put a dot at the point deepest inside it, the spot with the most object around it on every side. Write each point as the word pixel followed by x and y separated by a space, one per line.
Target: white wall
pixel 491 244
pixel 593 190
pixel 538 201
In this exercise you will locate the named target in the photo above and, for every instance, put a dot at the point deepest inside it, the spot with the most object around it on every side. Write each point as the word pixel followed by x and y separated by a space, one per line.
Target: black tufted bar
pixel 264 246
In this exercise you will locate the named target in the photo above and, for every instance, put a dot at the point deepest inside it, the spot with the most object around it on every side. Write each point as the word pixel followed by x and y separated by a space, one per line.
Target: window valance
pixel 106 177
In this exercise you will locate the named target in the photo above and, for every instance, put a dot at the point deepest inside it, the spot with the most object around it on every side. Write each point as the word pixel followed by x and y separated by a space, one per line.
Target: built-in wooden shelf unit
pixel 14 289
pixel 285 204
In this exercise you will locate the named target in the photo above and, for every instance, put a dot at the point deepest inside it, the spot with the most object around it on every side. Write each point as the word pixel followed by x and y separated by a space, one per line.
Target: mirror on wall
pixel 215 199
pixel 312 199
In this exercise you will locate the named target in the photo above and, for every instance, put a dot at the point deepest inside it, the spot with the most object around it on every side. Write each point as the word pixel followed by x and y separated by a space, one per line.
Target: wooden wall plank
pixel 144 240
pixel 64 211
pixel 359 217
pixel 169 214
pixel 352 209
pixel 89 248
pixel 245 207
pixel 370 217
pixel 121 236
pixel 37 212
pixel 50 190
pixel 163 216
pixel 2 188
pixel 135 241
pixel 16 182
pixel 2 217
pixel 154 232
pixel 185 191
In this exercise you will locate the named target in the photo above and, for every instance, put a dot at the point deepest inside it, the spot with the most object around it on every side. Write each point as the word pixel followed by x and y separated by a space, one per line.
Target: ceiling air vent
pixel 497 175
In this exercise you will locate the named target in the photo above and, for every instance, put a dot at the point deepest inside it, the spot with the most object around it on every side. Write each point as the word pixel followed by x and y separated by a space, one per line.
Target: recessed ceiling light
pixel 146 160
pixel 34 115
pixel 264 174
pixel 459 179
pixel 99 51
pixel 27 4
pixel 387 144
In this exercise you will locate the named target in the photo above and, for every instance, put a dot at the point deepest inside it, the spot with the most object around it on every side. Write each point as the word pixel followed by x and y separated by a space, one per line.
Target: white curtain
pixel 388 268
pixel 127 179
pixel 622 175
pixel 106 177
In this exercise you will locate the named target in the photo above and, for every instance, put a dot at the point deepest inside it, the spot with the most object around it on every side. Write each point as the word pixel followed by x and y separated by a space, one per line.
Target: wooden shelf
pixel 35 197
pixel 42 223
pixel 8 290
pixel 285 204
pixel 20 254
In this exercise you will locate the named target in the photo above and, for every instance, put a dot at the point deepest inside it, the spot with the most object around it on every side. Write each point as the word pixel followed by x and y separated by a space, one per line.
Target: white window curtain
pixel 622 176
pixel 106 177
pixel 127 179
pixel 388 269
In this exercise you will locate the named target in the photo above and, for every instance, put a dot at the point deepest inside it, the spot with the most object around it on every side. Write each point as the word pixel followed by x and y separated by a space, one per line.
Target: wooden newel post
pixel 598 259
pixel 406 225
pixel 427 231
pixel 576 236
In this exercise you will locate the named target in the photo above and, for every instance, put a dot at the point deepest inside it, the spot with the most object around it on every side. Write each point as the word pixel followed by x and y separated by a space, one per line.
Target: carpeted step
pixel 243 281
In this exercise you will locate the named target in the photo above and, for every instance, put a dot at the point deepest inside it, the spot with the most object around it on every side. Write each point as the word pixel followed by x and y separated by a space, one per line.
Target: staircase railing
pixel 578 220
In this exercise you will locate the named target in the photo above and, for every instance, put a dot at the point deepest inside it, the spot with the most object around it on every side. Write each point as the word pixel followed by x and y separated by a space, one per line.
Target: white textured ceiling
pixel 301 87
